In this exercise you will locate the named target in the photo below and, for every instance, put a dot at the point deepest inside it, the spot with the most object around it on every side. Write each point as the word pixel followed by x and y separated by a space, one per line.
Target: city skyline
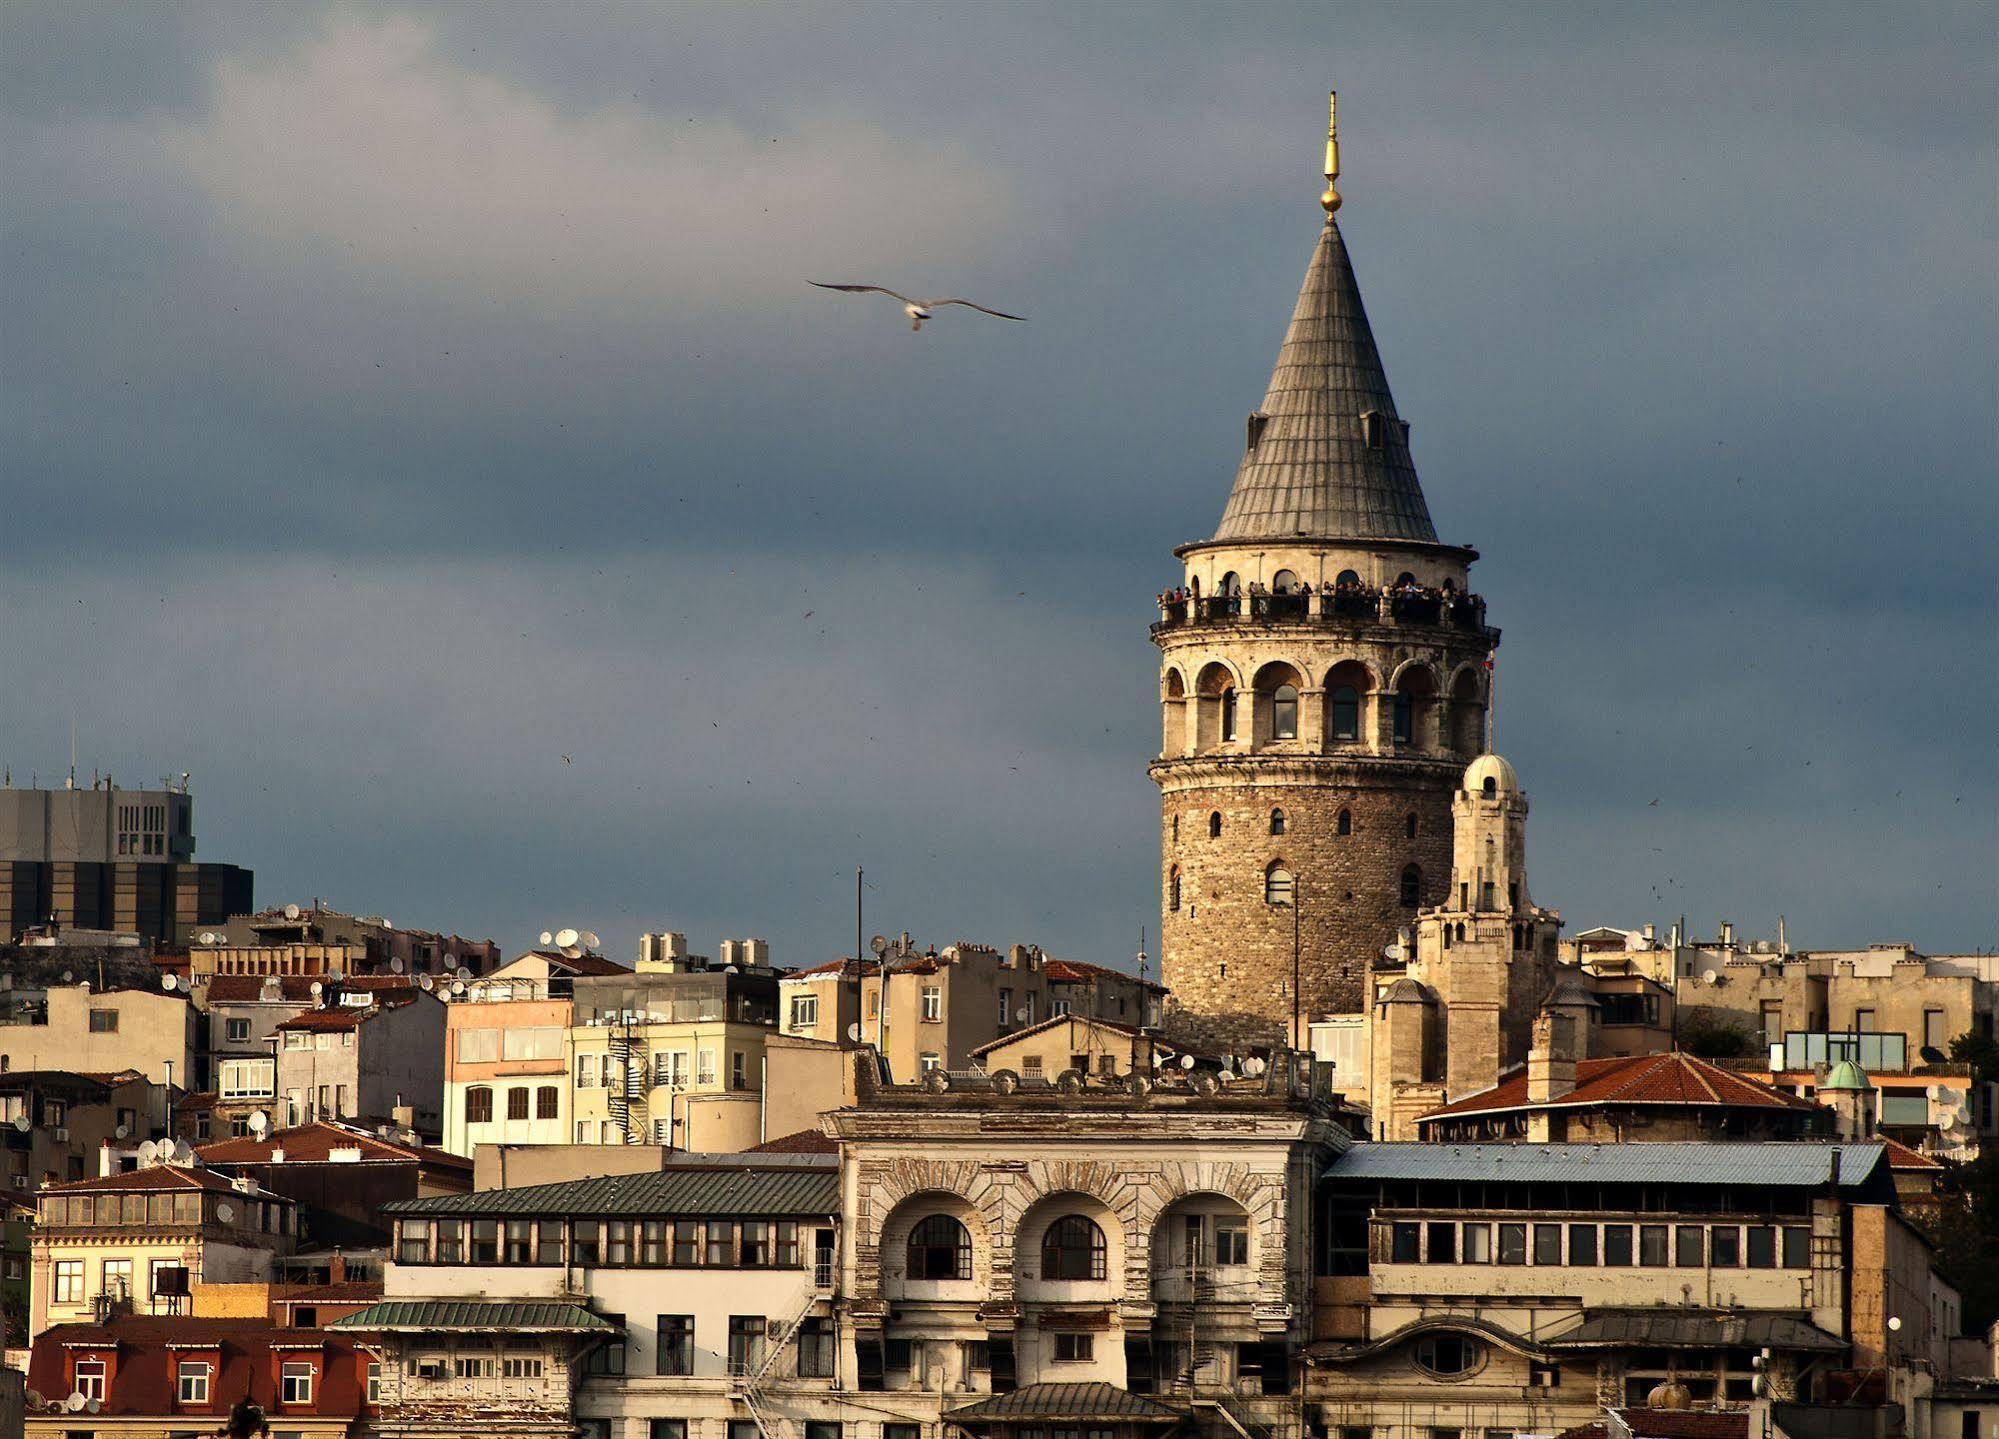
pixel 503 547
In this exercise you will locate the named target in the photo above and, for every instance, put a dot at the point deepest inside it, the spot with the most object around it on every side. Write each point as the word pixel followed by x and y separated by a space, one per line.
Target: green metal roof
pixel 518 1316
pixel 1069 1401
pixel 793 1191
pixel 1791 1163
pixel 1845 1075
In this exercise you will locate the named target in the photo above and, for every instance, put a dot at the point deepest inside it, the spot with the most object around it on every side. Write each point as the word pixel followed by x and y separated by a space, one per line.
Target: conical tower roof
pixel 1316 466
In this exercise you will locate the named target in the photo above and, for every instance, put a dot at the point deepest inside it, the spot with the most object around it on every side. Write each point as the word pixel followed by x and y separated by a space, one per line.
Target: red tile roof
pixel 1670 1424
pixel 346 1016
pixel 152 1178
pixel 1075 971
pixel 1674 1078
pixel 1900 1156
pixel 848 968
pixel 297 988
pixel 315 1143
pixel 803 1141
pixel 144 1373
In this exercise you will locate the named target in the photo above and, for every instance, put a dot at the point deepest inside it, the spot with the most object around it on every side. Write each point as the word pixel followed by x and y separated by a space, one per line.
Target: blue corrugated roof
pixel 1801 1165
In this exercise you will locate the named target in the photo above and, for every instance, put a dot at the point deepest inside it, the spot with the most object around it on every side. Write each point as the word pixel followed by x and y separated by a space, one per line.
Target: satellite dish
pixel 93 1405
pixel 24 1124
pixel 207 936
pixel 1392 950
pixel 148 1151
pixel 1069 1081
pixel 272 989
pixel 34 1398
pixel 936 1081
pixel 292 911
pixel 168 982
pixel 395 966
pixel 260 1123
pixel 590 939
pixel 854 1031
pixel 1020 1015
pixel 548 936
pixel 69 976
pixel 424 982
pixel 461 974
pixel 316 988
pixel 1205 1084
pixel 1935 1092
pixel 225 1211
pixel 1005 1081
pixel 1708 976
pixel 1254 1066
pixel 457 986
pixel 183 1152
pixel 879 944
pixel 728 969
pixel 566 938
pixel 75 1402
pixel 122 1131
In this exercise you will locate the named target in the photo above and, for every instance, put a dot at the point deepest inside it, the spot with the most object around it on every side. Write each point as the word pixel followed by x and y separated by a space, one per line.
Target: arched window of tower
pixel 1405 578
pixel 1215 825
pixel 1415 696
pixel 1412 886
pixel 1284 582
pixel 1173 889
pixel 1491 787
pixel 1277 821
pixel 1228 716
pixel 1176 829
pixel 1409 825
pixel 1230 586
pixel 1467 715
pixel 1284 712
pixel 1344 825
pixel 1277 885
pixel 1346 579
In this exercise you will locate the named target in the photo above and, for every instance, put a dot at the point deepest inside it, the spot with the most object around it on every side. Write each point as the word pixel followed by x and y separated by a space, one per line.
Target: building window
pixel 822 1429
pixel 704 1067
pixel 1412 886
pixel 739 1069
pixel 1074 1348
pixel 804 1011
pixel 608 1358
pixel 1617 1246
pixel 1277 885
pixel 1446 1354
pixel 815 1349
pixel 68 1285
pixel 667 1429
pixel 1689 1246
pixel 103 1021
pixel 1344 824
pixel 1762 1246
pixel 1582 1244
pixel 547 1102
pixel 930 1060
pixel 1284 712
pixel 1548 1244
pixel 479 1104
pixel 1172 903
pixel 1725 1247
pixel 746 1343
pixel 517 1102
pixel 1797 1247
pixel 237 1031
pixel 1933 1030
pixel 933 1003
pixel 1478 1243
pixel 686 1242
pixel 1073 1248
pixel 1231 1243
pixel 374 1381
pixel 1512 1244
pixel 90 1379
pixel 295 1383
pixel 940 1248
pixel 1409 826
pixel 721 1244
pixel 586 1071
pixel 674 1353
pixel 1345 713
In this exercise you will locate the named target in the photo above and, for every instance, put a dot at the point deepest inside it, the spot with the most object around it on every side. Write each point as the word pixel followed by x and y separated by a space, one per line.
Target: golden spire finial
pixel 1331 199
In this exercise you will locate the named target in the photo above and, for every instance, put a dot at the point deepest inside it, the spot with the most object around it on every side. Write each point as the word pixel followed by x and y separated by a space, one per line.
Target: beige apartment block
pixel 79 1028
pixel 942 1005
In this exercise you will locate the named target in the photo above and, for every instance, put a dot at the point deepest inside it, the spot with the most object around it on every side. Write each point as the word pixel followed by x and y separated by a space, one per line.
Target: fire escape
pixel 627 1097
pixel 748 1387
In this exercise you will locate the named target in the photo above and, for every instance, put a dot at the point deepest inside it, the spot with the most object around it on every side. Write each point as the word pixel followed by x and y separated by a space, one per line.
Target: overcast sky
pixel 418 427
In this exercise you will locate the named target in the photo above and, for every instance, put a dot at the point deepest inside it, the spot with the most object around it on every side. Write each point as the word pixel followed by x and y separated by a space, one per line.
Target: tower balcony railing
pixel 1400 605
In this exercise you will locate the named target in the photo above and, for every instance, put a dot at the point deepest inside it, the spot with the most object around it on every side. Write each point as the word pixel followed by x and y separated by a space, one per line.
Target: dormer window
pixel 1254 430
pixel 1374 430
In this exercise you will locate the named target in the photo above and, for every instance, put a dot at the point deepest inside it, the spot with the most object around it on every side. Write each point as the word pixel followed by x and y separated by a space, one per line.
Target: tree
pixel 1966 1215
pixel 1714 1034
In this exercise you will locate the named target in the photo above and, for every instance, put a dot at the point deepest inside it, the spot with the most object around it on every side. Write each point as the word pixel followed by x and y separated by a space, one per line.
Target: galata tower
pixel 1324 675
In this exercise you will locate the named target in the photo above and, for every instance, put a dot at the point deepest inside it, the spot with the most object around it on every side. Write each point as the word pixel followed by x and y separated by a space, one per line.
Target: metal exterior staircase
pixel 749 1388
pixel 627 1099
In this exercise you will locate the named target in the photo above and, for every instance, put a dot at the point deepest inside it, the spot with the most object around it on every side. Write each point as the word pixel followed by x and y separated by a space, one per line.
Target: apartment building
pixel 544 1304
pixel 138 1240
pixel 93 1030
pixel 506 1060
pixel 53 1122
pixel 375 1060
pixel 316 939
pixel 340 1176
pixel 1518 1285
pixel 941 1005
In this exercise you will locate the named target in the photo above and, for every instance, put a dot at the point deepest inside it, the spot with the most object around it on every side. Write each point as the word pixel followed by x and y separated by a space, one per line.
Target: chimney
pixel 1551 1059
pixel 336 1268
pixel 1648 932
pixel 1727 934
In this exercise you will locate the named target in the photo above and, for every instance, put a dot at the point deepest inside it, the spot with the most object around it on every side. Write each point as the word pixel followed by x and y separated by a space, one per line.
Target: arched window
pixel 1447 936
pixel 1405 578
pixel 1230 585
pixel 1345 823
pixel 1176 829
pixel 1284 712
pixel 1491 785
pixel 1173 889
pixel 1277 885
pixel 1447 1354
pixel 1278 823
pixel 1215 825
pixel 1412 886
pixel 1284 582
pixel 1073 1248
pixel 940 1248
pixel 479 1104
pixel 1228 714
pixel 1347 578
pixel 1405 717
pixel 1409 826
pixel 1346 713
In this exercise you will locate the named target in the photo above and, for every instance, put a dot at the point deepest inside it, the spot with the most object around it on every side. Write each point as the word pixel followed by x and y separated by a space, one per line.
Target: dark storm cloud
pixel 397 399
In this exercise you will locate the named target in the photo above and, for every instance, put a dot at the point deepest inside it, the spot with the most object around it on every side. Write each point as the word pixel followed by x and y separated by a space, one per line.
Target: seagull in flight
pixel 917 310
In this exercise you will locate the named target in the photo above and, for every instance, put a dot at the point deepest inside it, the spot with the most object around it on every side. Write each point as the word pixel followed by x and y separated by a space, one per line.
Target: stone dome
pixel 1846 1075
pixel 1491 767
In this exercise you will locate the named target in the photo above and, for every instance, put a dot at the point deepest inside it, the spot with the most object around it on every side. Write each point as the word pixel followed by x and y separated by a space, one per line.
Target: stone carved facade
pixel 1323 683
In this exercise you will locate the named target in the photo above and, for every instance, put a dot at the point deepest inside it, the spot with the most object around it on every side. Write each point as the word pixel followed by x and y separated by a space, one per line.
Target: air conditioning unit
pixel 61 1133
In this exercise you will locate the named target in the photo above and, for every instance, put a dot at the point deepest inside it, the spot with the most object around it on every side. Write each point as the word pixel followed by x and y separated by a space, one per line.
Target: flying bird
pixel 917 310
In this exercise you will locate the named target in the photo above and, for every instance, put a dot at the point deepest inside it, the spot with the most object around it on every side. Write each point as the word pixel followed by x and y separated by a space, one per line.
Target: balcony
pixel 1402 605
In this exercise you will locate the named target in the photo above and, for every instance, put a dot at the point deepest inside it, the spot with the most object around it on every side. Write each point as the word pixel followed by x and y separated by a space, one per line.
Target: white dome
pixel 1490 767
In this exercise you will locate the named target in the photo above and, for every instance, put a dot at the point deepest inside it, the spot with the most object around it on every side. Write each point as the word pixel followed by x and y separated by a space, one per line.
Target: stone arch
pixel 1173 684
pixel 1216 686
pixel 1349 686
pixel 885 1187
pixel 1467 711
pixel 1261 1197
pixel 1172 712
pixel 1277 691
pixel 1413 693
pixel 901 1221
pixel 1096 1192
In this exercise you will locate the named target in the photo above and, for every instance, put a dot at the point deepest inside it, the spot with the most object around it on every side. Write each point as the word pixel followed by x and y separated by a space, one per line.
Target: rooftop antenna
pixel 72 752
